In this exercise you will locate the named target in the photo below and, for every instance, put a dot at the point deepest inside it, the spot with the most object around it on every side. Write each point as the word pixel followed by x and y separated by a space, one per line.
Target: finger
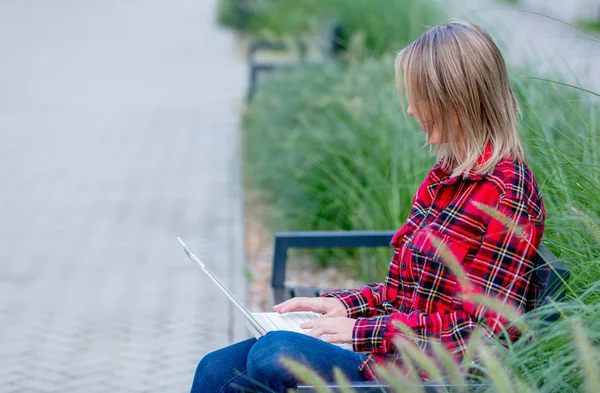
pixel 317 332
pixel 307 325
pixel 299 304
pixel 288 305
pixel 332 338
pixel 311 324
pixel 321 329
pixel 283 304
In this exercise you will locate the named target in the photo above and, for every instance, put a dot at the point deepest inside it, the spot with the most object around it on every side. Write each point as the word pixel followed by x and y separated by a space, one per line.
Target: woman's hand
pixel 329 306
pixel 337 329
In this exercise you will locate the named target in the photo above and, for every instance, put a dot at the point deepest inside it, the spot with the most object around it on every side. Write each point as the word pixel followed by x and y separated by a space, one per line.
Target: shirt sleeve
pixel 501 268
pixel 359 302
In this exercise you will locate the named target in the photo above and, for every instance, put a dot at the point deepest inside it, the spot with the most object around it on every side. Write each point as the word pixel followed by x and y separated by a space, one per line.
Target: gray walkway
pixel 118 132
pixel 547 44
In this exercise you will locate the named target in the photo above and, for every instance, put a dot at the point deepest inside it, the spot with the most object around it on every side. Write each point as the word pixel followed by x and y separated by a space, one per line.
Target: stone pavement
pixel 118 132
pixel 537 32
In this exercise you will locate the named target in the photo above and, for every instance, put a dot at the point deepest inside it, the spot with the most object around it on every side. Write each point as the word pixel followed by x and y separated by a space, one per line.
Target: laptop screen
pixel 223 288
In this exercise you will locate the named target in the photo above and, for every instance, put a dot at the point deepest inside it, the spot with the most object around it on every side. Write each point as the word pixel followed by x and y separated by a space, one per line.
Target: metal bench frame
pixel 551 272
pixel 333 44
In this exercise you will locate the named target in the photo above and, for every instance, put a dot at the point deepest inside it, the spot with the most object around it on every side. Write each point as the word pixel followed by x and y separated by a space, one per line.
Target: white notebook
pixel 263 322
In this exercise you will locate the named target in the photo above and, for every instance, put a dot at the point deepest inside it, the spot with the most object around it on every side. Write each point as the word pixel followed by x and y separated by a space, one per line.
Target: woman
pixel 458 90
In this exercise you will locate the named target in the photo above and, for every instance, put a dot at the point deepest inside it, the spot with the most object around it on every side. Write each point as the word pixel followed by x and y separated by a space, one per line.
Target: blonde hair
pixel 456 71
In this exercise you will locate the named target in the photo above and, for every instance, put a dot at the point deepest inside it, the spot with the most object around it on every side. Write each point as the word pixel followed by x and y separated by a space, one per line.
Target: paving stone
pixel 119 127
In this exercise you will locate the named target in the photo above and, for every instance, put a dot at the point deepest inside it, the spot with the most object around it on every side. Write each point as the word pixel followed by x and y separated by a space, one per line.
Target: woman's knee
pixel 265 358
pixel 207 368
pixel 219 368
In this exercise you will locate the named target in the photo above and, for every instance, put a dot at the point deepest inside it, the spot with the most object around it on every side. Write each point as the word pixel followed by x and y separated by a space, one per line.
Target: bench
pixel 330 43
pixel 551 273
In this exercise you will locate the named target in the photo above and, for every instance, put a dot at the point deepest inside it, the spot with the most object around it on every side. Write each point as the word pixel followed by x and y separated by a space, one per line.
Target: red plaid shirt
pixel 422 292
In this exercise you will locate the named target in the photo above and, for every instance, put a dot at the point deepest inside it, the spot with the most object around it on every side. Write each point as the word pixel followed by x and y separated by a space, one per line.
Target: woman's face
pixel 434 135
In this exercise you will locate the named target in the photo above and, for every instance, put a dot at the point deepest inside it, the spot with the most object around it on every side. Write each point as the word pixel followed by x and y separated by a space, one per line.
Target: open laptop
pixel 263 322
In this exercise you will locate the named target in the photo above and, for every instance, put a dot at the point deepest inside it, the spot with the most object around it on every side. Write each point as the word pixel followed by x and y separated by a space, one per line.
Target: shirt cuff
pixel 369 335
pixel 355 302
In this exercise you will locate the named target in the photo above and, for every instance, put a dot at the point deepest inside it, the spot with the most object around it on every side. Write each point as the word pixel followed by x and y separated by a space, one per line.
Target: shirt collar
pixel 441 175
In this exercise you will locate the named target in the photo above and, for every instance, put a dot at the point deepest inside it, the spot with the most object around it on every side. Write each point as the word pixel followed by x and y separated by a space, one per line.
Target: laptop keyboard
pixel 291 321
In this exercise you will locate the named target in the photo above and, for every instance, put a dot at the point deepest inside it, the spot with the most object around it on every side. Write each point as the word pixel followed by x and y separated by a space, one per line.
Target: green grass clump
pixel 327 147
pixel 549 357
pixel 561 130
pixel 330 149
pixel 561 357
pixel 384 25
pixel 226 13
pixel 590 25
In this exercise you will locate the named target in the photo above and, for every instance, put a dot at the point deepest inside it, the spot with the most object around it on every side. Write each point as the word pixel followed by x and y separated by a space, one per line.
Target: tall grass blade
pixel 409 364
pixel 451 367
pixel 306 375
pixel 499 377
pixel 593 226
pixel 501 309
pixel 421 361
pixel 342 381
pixel 508 223
pixel 450 260
pixel 475 341
pixel 397 380
pixel 406 331
pixel 588 359
pixel 562 84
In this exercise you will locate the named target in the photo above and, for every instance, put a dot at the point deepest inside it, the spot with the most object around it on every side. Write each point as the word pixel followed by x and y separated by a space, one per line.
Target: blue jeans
pixel 255 365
